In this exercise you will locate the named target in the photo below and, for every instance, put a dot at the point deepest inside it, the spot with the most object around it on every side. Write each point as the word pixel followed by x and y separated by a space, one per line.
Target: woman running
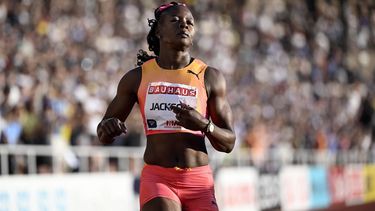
pixel 182 101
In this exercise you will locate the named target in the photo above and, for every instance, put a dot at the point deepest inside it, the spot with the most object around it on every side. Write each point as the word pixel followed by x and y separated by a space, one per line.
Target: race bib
pixel 160 97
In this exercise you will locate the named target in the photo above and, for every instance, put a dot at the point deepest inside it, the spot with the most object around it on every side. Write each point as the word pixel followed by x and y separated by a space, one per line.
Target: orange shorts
pixel 193 188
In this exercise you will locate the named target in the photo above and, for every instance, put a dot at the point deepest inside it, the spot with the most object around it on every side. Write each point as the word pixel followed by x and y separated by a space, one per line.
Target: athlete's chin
pixel 183 43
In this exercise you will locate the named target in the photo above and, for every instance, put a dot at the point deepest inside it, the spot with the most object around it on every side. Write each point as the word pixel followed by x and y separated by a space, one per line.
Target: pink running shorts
pixel 193 188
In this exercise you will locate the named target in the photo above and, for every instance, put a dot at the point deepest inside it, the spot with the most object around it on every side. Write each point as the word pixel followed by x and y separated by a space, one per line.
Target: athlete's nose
pixel 183 24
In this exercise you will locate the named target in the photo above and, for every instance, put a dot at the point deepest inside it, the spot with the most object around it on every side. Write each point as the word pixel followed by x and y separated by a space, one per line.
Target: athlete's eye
pixel 174 19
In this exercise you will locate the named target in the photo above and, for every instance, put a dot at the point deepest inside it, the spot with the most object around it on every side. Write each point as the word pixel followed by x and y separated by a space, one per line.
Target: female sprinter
pixel 182 100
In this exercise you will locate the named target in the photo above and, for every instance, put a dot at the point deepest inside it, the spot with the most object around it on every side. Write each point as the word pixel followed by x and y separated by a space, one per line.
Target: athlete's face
pixel 176 26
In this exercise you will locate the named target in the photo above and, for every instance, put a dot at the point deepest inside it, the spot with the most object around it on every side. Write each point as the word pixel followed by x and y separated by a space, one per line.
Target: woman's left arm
pixel 222 137
pixel 220 130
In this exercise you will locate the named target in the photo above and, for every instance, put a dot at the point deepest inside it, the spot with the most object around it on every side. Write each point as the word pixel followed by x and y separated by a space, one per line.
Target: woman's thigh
pixel 161 204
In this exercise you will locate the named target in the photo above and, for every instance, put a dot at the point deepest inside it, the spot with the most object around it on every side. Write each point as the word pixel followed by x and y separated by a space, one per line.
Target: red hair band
pixel 166 6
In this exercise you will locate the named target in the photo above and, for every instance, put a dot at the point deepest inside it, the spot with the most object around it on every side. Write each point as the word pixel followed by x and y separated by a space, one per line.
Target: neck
pixel 173 59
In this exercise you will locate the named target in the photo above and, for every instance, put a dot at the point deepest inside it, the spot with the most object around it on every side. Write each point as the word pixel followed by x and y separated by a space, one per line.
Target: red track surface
pixel 362 207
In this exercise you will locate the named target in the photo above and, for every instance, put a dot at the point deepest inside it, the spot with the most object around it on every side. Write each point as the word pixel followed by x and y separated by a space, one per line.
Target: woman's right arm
pixel 118 110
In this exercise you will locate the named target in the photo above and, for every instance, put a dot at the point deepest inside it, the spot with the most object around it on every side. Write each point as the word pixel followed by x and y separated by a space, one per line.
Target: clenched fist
pixel 109 129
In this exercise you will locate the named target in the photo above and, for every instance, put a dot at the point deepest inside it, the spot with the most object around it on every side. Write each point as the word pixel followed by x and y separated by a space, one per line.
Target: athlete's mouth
pixel 183 34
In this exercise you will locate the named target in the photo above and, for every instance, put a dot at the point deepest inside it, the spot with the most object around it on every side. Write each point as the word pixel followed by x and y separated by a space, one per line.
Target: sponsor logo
pixel 151 123
pixel 196 74
pixel 171 90
pixel 171 124
pixel 163 106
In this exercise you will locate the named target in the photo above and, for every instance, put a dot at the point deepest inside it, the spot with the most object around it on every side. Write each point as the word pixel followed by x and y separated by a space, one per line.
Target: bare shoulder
pixel 214 81
pixel 131 80
pixel 133 76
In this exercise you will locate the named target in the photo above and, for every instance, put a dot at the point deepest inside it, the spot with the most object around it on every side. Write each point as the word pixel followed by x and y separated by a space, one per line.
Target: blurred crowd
pixel 300 74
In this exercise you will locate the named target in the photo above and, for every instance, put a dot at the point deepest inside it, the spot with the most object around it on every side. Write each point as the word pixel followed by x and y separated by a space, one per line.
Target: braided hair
pixel 152 40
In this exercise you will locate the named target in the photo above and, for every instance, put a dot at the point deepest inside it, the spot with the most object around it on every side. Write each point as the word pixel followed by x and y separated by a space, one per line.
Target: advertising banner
pixel 295 188
pixel 269 191
pixel 336 185
pixel 370 183
pixel 67 192
pixel 354 184
pixel 236 189
pixel 320 196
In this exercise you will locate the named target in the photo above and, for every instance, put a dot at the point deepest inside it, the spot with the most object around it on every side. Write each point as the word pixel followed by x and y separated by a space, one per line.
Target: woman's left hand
pixel 189 118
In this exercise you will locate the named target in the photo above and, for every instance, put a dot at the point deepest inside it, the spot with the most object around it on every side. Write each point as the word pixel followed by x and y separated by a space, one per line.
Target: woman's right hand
pixel 110 128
